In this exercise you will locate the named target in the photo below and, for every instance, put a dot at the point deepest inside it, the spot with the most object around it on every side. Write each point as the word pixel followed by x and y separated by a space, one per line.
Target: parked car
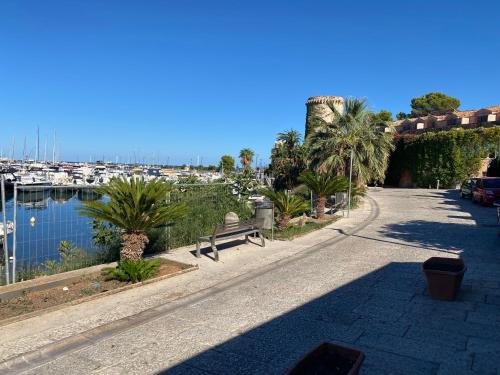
pixel 486 190
pixel 467 187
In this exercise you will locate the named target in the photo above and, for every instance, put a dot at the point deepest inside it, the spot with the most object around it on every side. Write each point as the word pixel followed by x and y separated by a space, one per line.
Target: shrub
pixel 448 156
pixel 287 205
pixel 207 205
pixel 133 270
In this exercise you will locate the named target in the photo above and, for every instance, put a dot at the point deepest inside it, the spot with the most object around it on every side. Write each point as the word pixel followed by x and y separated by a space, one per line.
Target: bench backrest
pixel 222 229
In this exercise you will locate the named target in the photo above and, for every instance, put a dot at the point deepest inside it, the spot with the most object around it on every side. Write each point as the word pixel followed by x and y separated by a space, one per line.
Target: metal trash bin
pixel 264 212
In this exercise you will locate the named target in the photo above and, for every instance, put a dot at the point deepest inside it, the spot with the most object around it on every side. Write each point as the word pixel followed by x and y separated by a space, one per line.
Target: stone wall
pixel 319 107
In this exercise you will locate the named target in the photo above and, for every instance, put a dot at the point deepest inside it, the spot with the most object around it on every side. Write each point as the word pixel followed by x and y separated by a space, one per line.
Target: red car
pixel 487 190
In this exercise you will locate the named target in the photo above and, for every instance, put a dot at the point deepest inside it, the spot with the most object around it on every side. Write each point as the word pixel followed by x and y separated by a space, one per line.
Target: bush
pixel 207 206
pixel 107 238
pixel 132 270
pixel 72 258
pixel 448 156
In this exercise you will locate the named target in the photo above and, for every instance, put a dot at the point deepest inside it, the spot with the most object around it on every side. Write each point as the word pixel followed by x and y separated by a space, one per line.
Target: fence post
pixel 272 226
pixel 5 231
pixel 14 235
pixel 168 227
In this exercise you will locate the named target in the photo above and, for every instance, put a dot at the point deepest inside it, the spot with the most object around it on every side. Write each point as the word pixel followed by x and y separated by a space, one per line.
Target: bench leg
pixel 262 240
pixel 198 255
pixel 246 239
pixel 214 249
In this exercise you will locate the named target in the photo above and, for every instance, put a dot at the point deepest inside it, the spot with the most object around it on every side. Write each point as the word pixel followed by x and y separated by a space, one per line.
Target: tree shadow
pixel 382 313
pixel 478 222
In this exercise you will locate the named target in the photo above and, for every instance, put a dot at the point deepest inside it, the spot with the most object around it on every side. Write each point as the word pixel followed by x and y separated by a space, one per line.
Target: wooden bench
pixel 231 230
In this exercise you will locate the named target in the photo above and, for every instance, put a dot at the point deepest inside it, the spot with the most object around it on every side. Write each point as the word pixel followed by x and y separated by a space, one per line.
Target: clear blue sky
pixel 180 79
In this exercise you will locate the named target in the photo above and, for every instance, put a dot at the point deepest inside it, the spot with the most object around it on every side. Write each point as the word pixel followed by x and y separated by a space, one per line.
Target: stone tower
pixel 318 107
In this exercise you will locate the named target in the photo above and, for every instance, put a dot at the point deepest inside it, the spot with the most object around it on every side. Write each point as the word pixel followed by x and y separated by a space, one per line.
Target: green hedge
pixel 450 156
pixel 207 205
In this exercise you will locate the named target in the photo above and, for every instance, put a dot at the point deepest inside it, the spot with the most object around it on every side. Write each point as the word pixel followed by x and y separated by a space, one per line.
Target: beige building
pixel 485 117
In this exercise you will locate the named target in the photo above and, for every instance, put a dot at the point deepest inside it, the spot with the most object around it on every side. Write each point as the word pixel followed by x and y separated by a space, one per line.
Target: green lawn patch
pixel 297 231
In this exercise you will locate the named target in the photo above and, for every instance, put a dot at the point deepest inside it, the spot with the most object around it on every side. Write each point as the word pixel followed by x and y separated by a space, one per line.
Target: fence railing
pixel 48 235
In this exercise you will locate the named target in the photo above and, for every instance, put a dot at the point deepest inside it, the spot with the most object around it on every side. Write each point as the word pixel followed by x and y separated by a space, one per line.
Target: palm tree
pixel 291 138
pixel 331 143
pixel 136 207
pixel 322 185
pixel 288 160
pixel 287 205
pixel 246 157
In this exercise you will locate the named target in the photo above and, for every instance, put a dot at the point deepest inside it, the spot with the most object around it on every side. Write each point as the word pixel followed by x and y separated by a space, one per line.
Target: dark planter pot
pixel 444 276
pixel 329 359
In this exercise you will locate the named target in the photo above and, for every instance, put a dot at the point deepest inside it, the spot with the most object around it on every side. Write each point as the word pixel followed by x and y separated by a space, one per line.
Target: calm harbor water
pixel 44 219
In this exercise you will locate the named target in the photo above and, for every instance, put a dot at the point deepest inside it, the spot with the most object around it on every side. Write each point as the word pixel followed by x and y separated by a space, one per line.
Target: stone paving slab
pixel 365 290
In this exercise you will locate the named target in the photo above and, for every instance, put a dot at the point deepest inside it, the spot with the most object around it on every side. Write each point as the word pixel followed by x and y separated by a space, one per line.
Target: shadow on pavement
pixel 387 313
pixel 381 313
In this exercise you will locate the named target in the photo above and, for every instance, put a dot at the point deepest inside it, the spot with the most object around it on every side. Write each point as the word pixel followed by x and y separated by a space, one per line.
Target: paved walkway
pixel 356 282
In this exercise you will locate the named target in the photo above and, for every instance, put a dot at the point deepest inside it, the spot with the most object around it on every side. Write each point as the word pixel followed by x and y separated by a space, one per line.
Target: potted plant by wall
pixel 329 359
pixel 444 277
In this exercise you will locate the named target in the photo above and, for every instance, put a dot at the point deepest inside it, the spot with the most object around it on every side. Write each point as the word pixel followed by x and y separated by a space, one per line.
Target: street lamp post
pixel 350 183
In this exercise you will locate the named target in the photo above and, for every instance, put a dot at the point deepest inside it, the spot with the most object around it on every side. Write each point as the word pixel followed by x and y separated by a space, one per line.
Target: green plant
pixel 322 185
pixel 244 183
pixel 287 206
pixel 331 143
pixel 246 157
pixel 107 238
pixel 447 156
pixel 136 207
pixel 431 102
pixel 187 180
pixel 292 232
pixel 207 205
pixel 132 270
pixel 288 160
pixel 72 258
pixel 226 164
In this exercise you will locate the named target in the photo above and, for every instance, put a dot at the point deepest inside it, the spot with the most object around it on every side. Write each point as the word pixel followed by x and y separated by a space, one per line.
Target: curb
pixel 32 314
pixel 45 354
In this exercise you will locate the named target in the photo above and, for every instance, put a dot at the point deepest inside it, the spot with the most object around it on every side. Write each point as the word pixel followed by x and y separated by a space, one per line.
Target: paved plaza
pixel 357 282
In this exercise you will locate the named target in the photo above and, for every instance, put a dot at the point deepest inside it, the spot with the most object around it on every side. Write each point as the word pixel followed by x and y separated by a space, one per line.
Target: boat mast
pixel 37 154
pixel 54 149
pixel 24 150
pixel 45 153
pixel 13 149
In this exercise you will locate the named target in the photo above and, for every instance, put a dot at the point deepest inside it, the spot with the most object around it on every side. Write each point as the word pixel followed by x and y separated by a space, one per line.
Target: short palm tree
pixel 246 157
pixel 331 144
pixel 287 205
pixel 322 185
pixel 136 207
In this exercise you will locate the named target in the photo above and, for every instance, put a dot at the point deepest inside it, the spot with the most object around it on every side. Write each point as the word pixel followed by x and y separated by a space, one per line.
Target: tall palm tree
pixel 246 157
pixel 291 138
pixel 288 160
pixel 136 207
pixel 322 185
pixel 287 206
pixel 331 143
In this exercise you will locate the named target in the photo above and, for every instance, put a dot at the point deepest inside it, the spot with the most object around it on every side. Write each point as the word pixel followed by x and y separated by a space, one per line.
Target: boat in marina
pixel 10 229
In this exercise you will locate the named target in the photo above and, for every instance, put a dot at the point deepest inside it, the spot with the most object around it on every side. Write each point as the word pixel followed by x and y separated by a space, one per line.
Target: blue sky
pixel 182 79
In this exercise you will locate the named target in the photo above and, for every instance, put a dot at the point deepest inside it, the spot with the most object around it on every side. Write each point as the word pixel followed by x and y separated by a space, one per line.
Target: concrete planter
pixel 444 277
pixel 329 359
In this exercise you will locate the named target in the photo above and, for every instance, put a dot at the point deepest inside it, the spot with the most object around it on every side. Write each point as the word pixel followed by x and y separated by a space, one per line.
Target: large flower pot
pixel 444 276
pixel 329 359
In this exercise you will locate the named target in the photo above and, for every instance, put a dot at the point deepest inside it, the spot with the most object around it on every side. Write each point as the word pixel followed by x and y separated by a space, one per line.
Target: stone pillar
pixel 319 107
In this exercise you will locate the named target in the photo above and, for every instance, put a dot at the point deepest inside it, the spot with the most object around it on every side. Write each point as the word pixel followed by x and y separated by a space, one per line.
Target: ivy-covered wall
pixel 450 156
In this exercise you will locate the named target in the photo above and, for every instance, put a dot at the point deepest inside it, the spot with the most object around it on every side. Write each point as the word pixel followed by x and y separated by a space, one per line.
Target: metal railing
pixel 48 235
